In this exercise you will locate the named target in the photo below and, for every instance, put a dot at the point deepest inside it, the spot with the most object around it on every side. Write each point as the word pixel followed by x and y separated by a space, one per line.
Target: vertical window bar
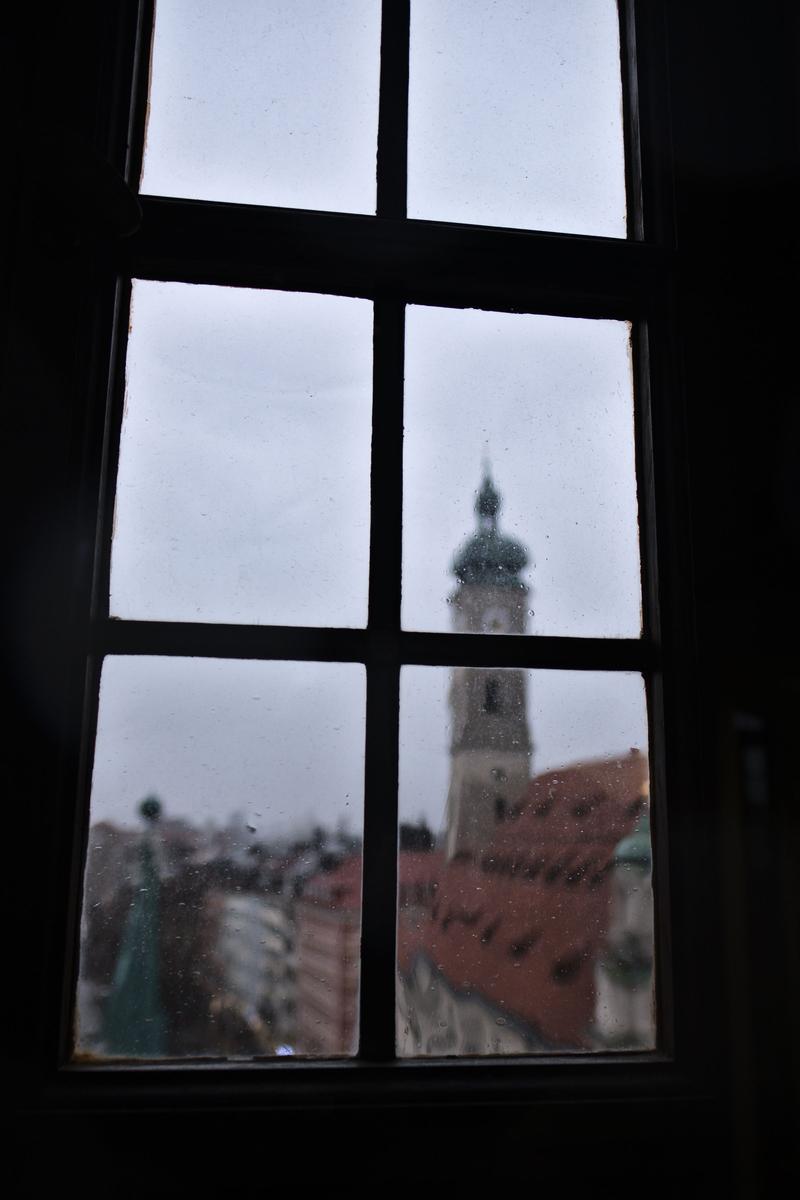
pixel 137 122
pixel 643 43
pixel 376 1009
pixel 115 404
pixel 378 914
pixel 645 483
pixel 664 995
pixel 386 482
pixel 393 111
pixel 79 840
pixel 630 123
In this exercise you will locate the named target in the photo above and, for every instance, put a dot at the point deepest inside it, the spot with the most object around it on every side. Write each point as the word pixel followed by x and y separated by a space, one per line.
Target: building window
pixel 491 696
pixel 276 599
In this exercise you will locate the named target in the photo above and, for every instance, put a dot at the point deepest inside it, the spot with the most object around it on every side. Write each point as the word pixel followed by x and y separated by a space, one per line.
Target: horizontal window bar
pixel 372 646
pixel 229 641
pixel 421 262
pixel 288 1081
pixel 498 650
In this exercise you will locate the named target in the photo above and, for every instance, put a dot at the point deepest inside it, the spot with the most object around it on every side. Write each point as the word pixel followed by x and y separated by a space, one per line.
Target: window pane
pixel 515 115
pixel 526 915
pixel 203 905
pixel 243 486
pixel 265 102
pixel 544 537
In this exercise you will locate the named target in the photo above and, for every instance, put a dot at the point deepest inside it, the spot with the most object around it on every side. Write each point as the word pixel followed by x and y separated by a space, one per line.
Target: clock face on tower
pixel 495 619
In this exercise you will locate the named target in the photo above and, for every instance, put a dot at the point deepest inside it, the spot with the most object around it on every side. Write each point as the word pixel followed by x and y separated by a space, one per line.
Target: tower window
pixel 491 696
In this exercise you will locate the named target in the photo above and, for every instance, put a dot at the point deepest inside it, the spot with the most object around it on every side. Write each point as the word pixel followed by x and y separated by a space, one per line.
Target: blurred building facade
pixel 328 955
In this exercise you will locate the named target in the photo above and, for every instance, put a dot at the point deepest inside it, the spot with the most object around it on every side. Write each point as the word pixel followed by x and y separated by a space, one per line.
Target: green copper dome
pixel 634 850
pixel 488 557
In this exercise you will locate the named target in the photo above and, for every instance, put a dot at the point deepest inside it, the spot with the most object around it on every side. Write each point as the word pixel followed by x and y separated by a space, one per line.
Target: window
pixel 438 265
pixel 491 696
pixel 233 452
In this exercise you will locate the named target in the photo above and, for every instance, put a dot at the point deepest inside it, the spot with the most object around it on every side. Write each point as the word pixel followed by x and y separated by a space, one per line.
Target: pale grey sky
pixel 514 108
pixel 265 102
pixel 282 743
pixel 515 114
pixel 244 475
pixel 243 487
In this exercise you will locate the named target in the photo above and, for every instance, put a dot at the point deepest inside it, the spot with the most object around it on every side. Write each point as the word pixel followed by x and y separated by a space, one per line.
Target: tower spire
pixel 487 503
pixel 488 557
pixel 491 745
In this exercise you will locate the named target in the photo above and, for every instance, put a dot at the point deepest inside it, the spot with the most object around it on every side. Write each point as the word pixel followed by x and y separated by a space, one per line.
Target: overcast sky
pixel 514 108
pixel 243 489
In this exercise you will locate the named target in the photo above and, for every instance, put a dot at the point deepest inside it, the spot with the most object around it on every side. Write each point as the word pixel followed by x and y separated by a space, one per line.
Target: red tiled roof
pixel 521 925
pixel 336 889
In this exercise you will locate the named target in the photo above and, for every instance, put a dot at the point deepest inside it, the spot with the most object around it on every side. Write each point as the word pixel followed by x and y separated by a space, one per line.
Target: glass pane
pixel 526 913
pixel 515 115
pixel 267 102
pixel 243 486
pixel 209 926
pixel 543 537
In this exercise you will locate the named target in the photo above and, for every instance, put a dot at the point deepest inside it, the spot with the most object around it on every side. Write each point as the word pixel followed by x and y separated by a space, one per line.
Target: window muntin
pixel 495 281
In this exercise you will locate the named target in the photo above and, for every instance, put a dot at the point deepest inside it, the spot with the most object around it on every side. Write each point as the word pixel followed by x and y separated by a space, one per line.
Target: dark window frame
pixel 394 262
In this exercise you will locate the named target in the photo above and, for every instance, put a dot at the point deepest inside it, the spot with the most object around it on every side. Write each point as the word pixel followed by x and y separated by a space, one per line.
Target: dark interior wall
pixel 733 112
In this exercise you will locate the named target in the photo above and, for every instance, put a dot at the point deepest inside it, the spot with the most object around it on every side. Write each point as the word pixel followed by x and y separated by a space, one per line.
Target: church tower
pixel 490 751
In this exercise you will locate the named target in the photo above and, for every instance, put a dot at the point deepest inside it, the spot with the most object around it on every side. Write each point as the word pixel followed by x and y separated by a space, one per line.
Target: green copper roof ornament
pixel 487 504
pixel 489 557
pixel 628 961
pixel 134 1022
pixel 635 849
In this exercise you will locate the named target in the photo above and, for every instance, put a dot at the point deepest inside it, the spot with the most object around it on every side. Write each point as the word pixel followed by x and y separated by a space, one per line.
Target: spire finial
pixel 150 809
pixel 487 504
pixel 487 557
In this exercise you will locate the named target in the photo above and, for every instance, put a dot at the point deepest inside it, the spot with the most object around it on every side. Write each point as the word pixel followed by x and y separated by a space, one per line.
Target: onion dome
pixel 150 808
pixel 489 557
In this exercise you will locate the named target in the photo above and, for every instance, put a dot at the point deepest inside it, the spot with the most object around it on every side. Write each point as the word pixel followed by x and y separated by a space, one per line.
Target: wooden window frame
pixel 395 261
